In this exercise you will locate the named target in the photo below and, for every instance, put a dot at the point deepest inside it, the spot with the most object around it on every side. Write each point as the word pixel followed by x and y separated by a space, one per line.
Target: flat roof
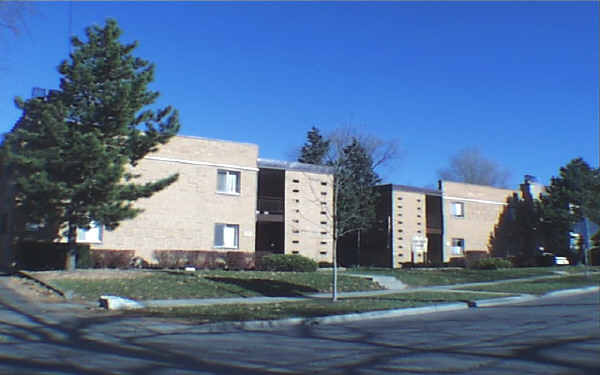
pixel 414 189
pixel 294 166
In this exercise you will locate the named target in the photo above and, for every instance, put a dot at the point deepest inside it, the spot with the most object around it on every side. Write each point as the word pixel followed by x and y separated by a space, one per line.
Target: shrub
pixel 111 258
pixel 138 262
pixel 325 264
pixel 40 256
pixel 237 260
pixel 474 256
pixel 490 264
pixel 457 262
pixel 287 263
pixel 595 256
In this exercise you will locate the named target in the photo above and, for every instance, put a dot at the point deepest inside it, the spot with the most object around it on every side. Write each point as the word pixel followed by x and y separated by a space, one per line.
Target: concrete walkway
pixel 392 285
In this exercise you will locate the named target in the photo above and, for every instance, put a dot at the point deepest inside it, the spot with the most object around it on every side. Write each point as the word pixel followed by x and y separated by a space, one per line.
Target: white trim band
pixel 207 164
pixel 475 200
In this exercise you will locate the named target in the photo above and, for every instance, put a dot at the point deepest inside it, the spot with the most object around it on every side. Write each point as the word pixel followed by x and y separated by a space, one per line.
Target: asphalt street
pixel 558 335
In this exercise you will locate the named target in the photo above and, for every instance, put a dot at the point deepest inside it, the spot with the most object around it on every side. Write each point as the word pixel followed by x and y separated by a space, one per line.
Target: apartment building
pixel 295 209
pixel 226 199
pixel 470 213
pixel 417 225
pixel 408 228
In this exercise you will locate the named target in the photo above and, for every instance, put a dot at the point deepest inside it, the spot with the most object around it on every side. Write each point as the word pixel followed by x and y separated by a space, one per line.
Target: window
pixel 458 246
pixel 92 235
pixel 458 209
pixel 228 182
pixel 227 235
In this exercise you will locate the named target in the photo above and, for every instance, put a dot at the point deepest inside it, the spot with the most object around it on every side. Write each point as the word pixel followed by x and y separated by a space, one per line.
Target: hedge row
pixel 51 256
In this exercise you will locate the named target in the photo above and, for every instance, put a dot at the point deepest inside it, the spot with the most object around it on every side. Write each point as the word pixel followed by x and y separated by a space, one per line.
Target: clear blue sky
pixel 518 80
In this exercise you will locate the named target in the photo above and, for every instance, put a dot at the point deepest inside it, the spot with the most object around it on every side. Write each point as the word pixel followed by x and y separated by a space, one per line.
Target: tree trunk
pixel 71 256
pixel 335 239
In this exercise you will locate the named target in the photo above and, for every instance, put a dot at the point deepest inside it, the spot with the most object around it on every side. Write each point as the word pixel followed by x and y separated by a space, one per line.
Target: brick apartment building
pixel 226 199
pixel 416 225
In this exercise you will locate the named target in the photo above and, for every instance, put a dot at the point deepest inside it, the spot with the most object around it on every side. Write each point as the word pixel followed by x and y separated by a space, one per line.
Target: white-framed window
pixel 228 182
pixel 92 235
pixel 458 209
pixel 227 236
pixel 458 246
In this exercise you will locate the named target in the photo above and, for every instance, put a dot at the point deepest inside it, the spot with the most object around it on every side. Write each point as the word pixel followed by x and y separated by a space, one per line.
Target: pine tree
pixel 573 195
pixel 71 153
pixel 356 198
pixel 315 149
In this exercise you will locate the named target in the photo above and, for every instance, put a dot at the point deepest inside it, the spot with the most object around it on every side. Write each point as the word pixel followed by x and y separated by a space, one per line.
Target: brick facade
pixel 479 208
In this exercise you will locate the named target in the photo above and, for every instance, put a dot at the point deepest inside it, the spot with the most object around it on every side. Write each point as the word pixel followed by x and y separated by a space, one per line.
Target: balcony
pixel 269 209
pixel 270 205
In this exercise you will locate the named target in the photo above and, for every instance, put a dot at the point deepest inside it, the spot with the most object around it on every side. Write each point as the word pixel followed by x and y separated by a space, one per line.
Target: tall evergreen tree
pixel 356 198
pixel 71 152
pixel 570 197
pixel 315 149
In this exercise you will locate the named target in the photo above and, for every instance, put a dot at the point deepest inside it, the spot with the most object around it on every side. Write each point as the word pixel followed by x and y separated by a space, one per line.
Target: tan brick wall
pixel 309 215
pixel 183 216
pixel 409 220
pixel 482 208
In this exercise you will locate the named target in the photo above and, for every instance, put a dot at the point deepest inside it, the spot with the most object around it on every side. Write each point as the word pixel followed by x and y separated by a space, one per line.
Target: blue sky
pixel 517 80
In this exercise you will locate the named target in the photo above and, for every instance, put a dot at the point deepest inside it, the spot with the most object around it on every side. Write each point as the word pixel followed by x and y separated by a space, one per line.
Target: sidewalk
pixel 397 287
pixel 394 285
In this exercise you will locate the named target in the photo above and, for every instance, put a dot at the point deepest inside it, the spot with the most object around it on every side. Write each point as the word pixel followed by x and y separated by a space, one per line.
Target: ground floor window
pixel 92 235
pixel 458 246
pixel 227 235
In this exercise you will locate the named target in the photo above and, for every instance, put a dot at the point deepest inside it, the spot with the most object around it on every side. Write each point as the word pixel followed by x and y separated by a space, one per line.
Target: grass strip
pixel 212 284
pixel 539 287
pixel 311 307
pixel 419 277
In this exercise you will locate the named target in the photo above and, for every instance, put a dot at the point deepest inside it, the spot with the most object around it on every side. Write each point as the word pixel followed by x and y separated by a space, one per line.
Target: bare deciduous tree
pixel 470 166
pixel 381 151
pixel 12 15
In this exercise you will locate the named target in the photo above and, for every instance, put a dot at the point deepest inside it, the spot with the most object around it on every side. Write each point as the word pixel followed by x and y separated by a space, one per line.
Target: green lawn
pixel 419 277
pixel 212 284
pixel 540 287
pixel 311 307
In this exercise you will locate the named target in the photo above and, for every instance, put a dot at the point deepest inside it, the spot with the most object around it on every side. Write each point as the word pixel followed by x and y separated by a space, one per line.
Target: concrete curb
pixel 572 292
pixel 256 325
